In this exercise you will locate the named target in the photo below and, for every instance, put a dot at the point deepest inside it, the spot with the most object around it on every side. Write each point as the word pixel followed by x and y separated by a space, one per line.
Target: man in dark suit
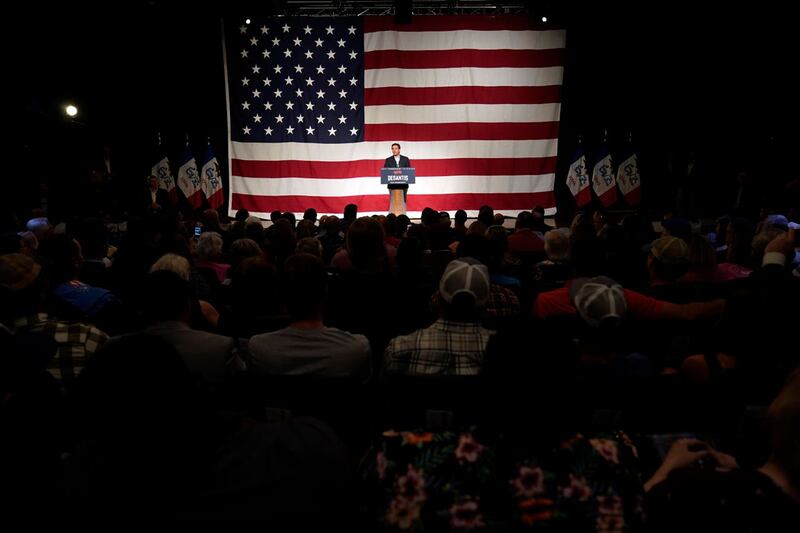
pixel 397 161
pixel 156 199
pixel 167 301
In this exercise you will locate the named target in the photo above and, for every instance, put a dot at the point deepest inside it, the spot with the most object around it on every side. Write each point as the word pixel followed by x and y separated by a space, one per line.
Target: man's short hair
pixel 525 220
pixel 310 214
pixel 306 279
pixel 331 225
pixel 350 211
pixel 167 296
pixel 396 144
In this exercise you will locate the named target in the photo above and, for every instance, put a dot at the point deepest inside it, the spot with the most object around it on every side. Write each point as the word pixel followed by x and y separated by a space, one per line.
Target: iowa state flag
pixel 628 178
pixel 161 170
pixel 211 180
pixel 603 181
pixel 315 103
pixel 189 179
pixel 578 179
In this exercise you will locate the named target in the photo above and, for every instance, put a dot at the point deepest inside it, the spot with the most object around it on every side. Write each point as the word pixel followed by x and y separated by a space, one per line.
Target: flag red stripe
pixel 584 197
pixel 521 166
pixel 217 199
pixel 633 197
pixel 419 59
pixel 545 94
pixel 369 203
pixel 461 130
pixel 195 199
pixel 451 23
pixel 609 197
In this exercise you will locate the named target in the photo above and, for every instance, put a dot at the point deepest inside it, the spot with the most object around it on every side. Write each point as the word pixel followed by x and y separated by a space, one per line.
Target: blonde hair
pixel 173 263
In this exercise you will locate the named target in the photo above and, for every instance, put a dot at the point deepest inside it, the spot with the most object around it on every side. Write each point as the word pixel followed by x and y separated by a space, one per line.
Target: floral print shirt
pixel 422 481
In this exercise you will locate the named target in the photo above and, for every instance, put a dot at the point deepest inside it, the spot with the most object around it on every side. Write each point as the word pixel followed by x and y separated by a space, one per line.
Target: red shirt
pixel 557 303
pixel 525 240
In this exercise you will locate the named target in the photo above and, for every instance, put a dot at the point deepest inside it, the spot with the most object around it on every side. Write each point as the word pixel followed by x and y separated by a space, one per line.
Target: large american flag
pixel 315 103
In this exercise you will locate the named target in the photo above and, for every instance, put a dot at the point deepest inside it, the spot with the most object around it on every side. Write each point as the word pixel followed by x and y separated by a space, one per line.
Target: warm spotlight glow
pixel 544 19
pixel 247 21
pixel 71 110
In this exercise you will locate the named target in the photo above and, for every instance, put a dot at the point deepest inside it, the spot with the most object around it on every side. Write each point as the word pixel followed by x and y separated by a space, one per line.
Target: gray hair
pixel 556 245
pixel 209 246
pixel 309 245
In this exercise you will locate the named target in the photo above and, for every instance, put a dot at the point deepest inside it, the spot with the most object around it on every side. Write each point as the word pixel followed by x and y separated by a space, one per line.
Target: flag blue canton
pixel 297 80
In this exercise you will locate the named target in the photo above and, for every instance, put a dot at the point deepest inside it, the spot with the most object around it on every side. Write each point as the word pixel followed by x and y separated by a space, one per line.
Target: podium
pixel 398 180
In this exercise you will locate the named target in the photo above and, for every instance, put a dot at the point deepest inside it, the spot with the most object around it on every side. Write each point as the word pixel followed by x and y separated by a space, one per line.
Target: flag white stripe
pixel 463 76
pixel 464 39
pixel 435 114
pixel 371 185
pixel 376 151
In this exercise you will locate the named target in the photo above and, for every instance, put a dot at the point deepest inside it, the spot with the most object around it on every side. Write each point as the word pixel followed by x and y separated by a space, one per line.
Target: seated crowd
pixel 375 373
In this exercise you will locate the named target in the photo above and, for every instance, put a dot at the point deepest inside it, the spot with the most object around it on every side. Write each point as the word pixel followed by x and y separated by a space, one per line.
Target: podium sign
pixel 398 176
